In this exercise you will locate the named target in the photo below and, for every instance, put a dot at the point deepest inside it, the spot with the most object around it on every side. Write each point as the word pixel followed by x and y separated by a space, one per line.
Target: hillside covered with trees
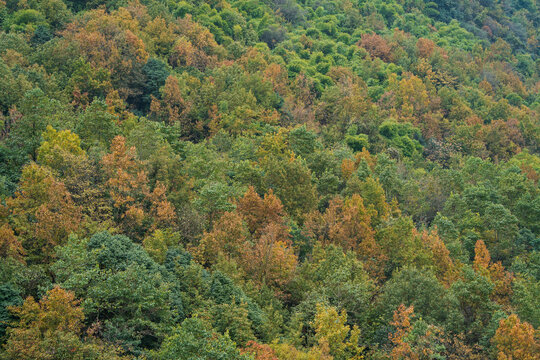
pixel 269 179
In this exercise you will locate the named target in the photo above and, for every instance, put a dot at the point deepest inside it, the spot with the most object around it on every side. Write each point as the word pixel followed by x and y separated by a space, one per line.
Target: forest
pixel 269 179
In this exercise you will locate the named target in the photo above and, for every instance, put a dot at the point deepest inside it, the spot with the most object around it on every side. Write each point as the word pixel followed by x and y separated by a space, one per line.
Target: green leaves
pixel 192 340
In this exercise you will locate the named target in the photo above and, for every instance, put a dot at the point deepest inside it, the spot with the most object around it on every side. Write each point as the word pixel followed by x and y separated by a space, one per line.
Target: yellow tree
pixel 50 330
pixel 42 213
pixel 56 146
pixel 334 335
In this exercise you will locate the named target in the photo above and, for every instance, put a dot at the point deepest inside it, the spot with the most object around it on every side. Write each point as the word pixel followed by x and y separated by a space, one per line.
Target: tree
pixel 402 322
pixel 502 280
pixel 173 108
pixel 516 340
pixel 109 40
pixel 96 126
pixel 50 330
pixel 418 288
pixel 137 209
pixel 42 213
pixel 57 146
pixel 193 339
pixel 259 351
pixel 482 259
pixel 228 238
pixel 290 179
pixel 9 297
pixel 334 335
pixel 473 294
pixel 347 223
pixel 376 46
pixel 124 295
pixel 271 261
pixel 233 320
pixel 10 246
pixel 35 112
pixel 259 212
pixel 339 277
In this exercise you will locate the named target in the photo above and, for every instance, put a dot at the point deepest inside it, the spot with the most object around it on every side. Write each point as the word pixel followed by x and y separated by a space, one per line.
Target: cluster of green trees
pixel 269 180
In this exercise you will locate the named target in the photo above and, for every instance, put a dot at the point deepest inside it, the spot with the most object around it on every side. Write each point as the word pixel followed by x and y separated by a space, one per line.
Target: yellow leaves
pixel 43 211
pixel 228 238
pixel 57 311
pixel 57 145
pixel 161 35
pixel 445 269
pixel 109 40
pixel 183 53
pixel 275 145
pixel 45 329
pixel 334 335
pixel 157 245
pixel 288 352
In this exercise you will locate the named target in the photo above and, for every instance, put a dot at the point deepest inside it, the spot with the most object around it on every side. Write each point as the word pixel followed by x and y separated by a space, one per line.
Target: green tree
pixel 125 296
pixel 193 340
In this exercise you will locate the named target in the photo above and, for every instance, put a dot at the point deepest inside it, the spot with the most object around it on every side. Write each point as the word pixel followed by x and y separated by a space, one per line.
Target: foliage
pixel 275 179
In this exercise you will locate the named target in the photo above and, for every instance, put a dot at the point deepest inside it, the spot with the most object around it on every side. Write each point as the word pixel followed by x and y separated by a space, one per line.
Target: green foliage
pixel 96 126
pixel 123 289
pixel 192 339
pixel 405 131
pixel 9 296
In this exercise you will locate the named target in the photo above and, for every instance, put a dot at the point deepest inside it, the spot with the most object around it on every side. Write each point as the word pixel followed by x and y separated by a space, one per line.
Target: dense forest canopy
pixel 269 180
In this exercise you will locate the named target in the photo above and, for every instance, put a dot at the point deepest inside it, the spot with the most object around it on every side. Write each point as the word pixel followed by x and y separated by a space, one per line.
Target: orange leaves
pixel 350 223
pixel 257 212
pixel 271 261
pixel 516 340
pixel 347 223
pixel 9 244
pixel 227 238
pixel 425 47
pixel 161 209
pixel 195 46
pixel 172 108
pixel 259 351
pixel 481 258
pixel 126 178
pixel 402 322
pixel 110 41
pixel 256 236
pixel 183 53
pixel 495 272
pixel 129 189
pixel 376 46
